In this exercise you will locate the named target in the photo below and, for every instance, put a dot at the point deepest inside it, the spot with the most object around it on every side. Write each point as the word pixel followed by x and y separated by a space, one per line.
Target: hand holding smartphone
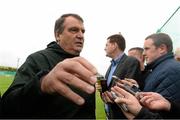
pixel 122 106
pixel 133 90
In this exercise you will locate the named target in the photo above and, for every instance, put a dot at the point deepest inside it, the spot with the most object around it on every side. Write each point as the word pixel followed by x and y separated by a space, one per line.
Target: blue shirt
pixel 114 63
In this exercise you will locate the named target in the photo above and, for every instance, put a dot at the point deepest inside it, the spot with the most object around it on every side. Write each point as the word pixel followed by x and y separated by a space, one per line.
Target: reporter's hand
pixel 127 98
pixel 154 101
pixel 77 72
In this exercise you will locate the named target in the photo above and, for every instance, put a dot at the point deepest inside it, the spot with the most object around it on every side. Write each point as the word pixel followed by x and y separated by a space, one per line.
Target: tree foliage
pixel 6 68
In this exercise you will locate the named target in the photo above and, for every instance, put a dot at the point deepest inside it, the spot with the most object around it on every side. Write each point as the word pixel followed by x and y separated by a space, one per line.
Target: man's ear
pixel 57 36
pixel 115 45
pixel 163 49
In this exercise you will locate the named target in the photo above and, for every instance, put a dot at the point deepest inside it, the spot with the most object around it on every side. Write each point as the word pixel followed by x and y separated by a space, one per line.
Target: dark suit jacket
pixel 128 67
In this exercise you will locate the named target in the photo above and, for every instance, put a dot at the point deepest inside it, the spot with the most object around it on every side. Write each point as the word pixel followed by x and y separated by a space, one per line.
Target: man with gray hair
pixel 55 82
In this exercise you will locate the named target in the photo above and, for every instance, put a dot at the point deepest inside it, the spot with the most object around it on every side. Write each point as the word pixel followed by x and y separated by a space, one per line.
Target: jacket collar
pixel 55 47
pixel 116 60
pixel 158 61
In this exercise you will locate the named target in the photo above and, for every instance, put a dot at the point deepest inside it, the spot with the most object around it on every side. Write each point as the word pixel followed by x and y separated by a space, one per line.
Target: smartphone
pixel 126 87
pixel 102 82
pixel 129 89
pixel 115 79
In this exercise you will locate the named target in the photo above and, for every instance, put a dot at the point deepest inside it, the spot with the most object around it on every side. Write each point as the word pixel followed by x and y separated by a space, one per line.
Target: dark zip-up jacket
pixel 164 77
pixel 24 98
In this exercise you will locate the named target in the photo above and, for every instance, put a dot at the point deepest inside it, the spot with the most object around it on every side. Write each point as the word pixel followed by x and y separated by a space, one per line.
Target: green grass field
pixel 100 114
pixel 6 80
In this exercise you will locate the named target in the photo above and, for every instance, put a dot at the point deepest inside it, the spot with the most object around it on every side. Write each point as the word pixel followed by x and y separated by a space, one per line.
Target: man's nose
pixel 144 54
pixel 80 34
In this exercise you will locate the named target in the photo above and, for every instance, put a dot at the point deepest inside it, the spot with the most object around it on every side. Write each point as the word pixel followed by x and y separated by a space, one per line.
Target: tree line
pixel 6 68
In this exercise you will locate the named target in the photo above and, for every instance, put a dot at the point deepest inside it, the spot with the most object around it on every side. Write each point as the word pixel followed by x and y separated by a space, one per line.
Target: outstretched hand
pixel 154 101
pixel 77 72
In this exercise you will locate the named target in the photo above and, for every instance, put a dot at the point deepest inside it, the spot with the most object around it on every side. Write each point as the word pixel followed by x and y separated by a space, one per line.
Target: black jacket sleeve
pixel 146 114
pixel 175 109
pixel 174 113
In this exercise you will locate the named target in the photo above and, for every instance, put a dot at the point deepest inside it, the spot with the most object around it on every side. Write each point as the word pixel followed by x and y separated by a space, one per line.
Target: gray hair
pixel 59 24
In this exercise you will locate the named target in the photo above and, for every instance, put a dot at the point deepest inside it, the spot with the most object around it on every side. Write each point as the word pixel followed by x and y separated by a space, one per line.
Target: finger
pixel 72 80
pixel 103 97
pixel 121 100
pixel 77 68
pixel 116 92
pixel 108 99
pixel 131 80
pixel 138 95
pixel 110 96
pixel 120 84
pixel 86 64
pixel 65 91
pixel 145 93
pixel 149 100
pixel 122 103
pixel 126 82
pixel 122 92
pixel 144 99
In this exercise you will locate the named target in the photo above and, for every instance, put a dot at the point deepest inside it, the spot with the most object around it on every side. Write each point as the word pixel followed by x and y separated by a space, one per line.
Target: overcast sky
pixel 27 25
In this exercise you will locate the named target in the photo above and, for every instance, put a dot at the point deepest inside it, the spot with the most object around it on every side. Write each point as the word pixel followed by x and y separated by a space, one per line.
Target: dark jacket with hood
pixel 24 98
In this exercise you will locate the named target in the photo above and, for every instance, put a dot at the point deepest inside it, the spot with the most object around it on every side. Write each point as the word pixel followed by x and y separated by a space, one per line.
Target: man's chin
pixel 78 51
